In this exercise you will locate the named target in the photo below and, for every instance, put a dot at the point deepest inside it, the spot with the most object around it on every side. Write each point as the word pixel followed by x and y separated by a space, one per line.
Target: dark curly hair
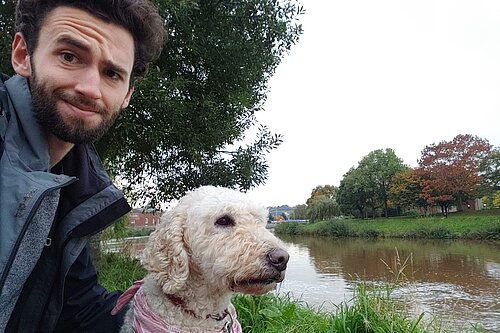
pixel 139 17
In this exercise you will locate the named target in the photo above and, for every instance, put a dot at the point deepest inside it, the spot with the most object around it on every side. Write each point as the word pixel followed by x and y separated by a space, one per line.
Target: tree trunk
pixel 444 210
pixel 460 203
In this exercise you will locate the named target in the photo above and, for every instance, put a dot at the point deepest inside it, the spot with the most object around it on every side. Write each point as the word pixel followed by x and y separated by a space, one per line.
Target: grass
pixel 119 271
pixel 372 309
pixel 457 226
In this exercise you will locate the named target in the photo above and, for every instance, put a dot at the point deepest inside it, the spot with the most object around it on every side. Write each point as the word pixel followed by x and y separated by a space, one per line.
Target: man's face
pixel 80 74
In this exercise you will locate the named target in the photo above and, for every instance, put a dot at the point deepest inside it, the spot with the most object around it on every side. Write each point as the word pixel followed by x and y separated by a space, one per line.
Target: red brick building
pixel 141 218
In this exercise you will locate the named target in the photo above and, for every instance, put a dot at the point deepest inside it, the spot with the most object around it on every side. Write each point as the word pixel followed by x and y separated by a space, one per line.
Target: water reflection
pixel 451 279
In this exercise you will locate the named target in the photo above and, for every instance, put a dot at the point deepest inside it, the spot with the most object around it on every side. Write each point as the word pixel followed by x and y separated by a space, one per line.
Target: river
pixel 456 281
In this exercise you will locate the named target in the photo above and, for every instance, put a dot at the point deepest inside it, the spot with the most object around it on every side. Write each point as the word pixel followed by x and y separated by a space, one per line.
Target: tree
pixel 321 208
pixel 189 115
pixel 299 212
pixel 406 190
pixel 450 170
pixel 352 197
pixel 322 203
pixel 328 191
pixel 489 170
pixel 496 199
pixel 377 171
pixel 492 200
pixel 6 34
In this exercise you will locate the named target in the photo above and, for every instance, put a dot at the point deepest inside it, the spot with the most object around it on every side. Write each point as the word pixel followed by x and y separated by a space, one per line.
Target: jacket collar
pixel 29 141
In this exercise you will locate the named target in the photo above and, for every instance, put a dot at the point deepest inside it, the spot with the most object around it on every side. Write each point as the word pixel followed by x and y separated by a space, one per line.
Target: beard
pixel 69 129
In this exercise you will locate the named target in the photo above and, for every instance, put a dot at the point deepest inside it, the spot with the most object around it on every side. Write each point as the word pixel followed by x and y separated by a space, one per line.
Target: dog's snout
pixel 278 258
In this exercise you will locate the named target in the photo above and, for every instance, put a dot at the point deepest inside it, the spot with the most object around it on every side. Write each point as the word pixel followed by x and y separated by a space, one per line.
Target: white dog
pixel 213 244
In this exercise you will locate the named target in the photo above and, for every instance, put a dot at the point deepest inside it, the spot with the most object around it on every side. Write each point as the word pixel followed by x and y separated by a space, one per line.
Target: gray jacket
pixel 46 220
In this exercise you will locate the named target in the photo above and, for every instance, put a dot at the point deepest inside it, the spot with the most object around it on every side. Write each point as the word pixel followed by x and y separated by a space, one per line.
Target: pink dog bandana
pixel 146 321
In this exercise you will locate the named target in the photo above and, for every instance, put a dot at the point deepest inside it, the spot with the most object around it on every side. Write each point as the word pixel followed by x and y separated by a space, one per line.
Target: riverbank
pixel 479 226
pixel 371 309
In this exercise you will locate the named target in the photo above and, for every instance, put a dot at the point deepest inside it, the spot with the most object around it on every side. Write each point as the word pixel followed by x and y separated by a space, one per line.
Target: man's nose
pixel 89 84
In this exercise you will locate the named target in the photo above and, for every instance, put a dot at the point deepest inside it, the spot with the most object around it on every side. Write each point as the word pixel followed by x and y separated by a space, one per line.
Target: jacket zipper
pixel 25 227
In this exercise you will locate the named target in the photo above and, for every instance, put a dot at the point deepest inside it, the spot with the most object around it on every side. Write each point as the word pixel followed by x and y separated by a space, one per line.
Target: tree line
pixel 448 174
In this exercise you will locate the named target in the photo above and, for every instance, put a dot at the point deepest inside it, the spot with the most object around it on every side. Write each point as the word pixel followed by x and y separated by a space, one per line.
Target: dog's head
pixel 216 236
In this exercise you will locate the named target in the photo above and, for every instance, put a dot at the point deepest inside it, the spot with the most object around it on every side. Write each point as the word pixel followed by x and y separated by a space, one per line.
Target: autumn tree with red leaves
pixel 450 170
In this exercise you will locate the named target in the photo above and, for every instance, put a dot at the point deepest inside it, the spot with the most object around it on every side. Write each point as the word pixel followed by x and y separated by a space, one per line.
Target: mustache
pixel 79 100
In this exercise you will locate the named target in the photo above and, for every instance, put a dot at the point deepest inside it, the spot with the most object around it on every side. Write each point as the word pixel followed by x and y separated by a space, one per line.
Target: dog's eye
pixel 225 221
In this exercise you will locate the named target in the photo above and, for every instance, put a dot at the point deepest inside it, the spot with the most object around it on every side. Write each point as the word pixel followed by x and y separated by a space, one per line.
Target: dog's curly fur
pixel 212 244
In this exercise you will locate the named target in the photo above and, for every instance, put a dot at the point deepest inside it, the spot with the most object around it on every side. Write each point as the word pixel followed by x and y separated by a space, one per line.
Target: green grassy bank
pixel 371 309
pixel 479 225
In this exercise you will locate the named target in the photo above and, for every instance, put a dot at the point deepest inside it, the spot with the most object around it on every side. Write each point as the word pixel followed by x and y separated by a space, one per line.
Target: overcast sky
pixel 376 74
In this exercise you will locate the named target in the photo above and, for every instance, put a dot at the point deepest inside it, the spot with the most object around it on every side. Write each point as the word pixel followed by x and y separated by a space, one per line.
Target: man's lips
pixel 82 109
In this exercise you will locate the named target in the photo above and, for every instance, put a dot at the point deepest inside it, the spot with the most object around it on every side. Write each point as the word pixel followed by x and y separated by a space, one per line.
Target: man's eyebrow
pixel 116 68
pixel 82 46
pixel 74 42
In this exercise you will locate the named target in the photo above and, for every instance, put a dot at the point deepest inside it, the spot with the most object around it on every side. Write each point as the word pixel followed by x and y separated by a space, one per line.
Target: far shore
pixel 481 225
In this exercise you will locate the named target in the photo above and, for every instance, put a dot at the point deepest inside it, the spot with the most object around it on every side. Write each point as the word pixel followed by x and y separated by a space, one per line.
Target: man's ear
pixel 126 101
pixel 20 58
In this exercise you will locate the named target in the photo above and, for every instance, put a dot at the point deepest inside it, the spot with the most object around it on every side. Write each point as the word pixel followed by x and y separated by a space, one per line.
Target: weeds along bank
pixel 480 227
pixel 372 309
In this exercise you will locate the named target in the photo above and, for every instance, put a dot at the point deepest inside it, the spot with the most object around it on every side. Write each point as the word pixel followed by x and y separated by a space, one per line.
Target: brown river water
pixel 455 281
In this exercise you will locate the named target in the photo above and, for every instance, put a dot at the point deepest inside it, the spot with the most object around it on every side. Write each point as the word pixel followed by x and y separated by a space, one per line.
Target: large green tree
pixel 191 112
pixel 366 187
pixel 377 171
pixel 351 195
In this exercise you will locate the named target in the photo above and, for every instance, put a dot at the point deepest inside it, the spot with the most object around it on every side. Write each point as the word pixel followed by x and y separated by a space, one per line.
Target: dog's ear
pixel 166 253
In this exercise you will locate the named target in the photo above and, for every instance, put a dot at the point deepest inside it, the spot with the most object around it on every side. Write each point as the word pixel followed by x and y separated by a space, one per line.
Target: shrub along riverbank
pixel 371 309
pixel 480 225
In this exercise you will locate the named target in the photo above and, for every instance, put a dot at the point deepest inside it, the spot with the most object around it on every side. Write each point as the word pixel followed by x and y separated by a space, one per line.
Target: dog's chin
pixel 257 286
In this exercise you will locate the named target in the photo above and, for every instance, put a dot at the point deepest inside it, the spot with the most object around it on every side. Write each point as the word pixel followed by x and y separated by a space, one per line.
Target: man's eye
pixel 112 75
pixel 68 57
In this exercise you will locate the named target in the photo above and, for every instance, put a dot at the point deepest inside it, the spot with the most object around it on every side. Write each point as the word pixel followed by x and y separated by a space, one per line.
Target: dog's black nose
pixel 278 258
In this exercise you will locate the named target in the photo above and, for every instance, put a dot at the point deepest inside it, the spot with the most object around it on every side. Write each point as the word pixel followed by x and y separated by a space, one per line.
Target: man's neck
pixel 57 149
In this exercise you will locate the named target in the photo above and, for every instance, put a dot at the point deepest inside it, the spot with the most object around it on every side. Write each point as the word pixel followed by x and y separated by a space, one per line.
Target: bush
pixel 491 233
pixel 440 233
pixel 287 228
pixel 370 233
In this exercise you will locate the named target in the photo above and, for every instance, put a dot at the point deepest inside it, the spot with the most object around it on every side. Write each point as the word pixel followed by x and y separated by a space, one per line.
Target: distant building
pixel 469 205
pixel 142 218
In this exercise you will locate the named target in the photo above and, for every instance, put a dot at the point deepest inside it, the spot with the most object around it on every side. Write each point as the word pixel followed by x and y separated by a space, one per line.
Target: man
pixel 76 62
